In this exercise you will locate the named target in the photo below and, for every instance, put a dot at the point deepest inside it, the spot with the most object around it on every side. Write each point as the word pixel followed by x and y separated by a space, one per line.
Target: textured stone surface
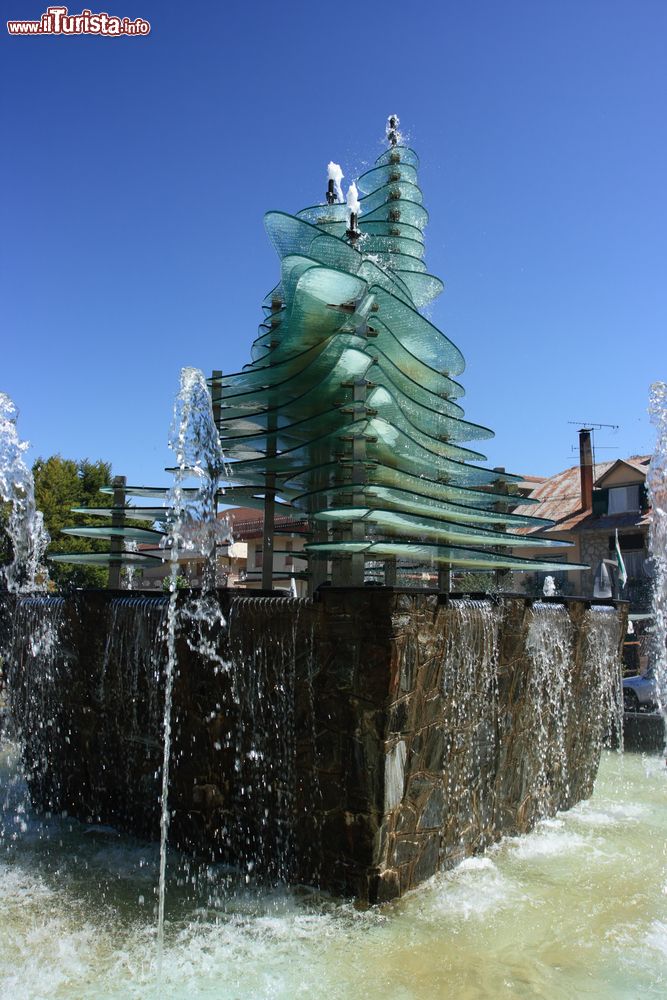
pixel 361 742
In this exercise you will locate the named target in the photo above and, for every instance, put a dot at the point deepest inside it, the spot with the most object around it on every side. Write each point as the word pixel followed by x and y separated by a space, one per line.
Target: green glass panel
pixel 402 352
pixel 387 373
pixel 149 492
pixel 244 497
pixel 413 526
pixel 290 235
pixel 131 513
pixel 318 215
pixel 417 335
pixel 400 211
pixel 380 176
pixel 331 362
pixel 387 445
pixel 423 287
pixel 382 400
pixel 265 375
pixel 334 252
pixel 454 555
pixel 434 422
pixel 421 487
pixel 277 434
pixel 392 230
pixel 387 475
pixel 400 154
pixel 277 407
pixel 393 251
pixel 387 195
pixel 392 283
pixel 113 531
pixel 104 558
pixel 315 476
pixel 424 506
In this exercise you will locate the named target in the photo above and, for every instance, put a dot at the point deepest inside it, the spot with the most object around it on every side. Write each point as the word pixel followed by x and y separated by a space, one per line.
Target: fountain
pixel 358 741
pixel 25 525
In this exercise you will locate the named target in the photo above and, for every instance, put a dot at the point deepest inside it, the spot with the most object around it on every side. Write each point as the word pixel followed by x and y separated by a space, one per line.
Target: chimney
pixel 586 468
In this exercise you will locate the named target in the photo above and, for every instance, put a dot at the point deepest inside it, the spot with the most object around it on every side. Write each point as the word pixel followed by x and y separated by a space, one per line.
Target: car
pixel 640 692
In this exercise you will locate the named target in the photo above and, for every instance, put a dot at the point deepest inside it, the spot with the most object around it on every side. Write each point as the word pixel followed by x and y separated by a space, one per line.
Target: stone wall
pixel 359 742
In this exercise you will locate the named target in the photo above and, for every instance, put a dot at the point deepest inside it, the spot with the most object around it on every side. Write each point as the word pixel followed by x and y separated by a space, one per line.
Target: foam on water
pixel 575 909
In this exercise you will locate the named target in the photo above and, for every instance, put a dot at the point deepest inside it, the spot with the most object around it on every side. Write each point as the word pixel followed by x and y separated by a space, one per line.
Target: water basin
pixel 578 908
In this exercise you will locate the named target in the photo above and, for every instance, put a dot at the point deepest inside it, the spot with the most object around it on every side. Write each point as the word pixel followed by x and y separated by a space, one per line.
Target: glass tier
pixel 130 513
pixel 438 554
pixel 421 505
pixel 105 558
pixel 378 177
pixel 398 154
pixel 115 531
pixel 392 522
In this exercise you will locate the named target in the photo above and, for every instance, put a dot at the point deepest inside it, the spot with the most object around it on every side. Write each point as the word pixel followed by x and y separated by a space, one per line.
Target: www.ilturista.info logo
pixel 58 21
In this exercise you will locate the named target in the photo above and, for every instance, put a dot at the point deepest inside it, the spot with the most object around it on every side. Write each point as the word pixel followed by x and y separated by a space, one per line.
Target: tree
pixel 60 484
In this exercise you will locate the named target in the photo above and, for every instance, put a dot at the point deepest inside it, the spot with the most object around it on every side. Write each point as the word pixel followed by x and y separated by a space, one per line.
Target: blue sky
pixel 136 171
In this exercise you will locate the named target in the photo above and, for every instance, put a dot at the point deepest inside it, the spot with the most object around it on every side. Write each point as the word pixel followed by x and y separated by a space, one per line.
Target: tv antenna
pixel 591 425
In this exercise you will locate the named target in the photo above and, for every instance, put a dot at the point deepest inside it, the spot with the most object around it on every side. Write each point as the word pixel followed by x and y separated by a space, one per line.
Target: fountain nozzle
pixel 393 135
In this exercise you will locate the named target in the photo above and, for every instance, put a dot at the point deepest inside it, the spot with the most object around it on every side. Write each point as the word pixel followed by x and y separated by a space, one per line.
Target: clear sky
pixel 136 171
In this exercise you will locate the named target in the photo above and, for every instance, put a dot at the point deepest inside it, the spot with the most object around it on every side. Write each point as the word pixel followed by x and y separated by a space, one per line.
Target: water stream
pixel 25 524
pixel 193 526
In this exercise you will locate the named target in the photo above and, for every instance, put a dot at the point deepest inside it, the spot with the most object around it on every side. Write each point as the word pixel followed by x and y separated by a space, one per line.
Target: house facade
pixel 589 503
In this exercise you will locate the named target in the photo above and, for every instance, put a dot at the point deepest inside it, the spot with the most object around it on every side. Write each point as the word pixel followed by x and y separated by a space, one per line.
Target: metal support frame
pixel 118 519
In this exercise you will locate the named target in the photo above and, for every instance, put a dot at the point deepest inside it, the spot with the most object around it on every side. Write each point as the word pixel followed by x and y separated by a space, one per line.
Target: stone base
pixel 360 742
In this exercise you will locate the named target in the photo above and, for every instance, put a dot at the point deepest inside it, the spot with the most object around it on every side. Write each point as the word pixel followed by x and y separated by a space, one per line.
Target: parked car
pixel 640 692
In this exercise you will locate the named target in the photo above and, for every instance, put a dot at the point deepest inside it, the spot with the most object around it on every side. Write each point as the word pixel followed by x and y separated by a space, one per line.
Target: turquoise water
pixel 576 909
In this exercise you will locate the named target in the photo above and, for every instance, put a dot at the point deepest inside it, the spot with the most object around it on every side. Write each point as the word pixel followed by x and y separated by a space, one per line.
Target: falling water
pixel 470 685
pixel 657 486
pixel 36 658
pixel 129 682
pixel 263 649
pixel 195 442
pixel 25 525
pixel 549 695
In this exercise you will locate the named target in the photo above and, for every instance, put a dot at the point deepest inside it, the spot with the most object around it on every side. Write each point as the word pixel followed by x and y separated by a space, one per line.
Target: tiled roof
pixel 246 522
pixel 560 500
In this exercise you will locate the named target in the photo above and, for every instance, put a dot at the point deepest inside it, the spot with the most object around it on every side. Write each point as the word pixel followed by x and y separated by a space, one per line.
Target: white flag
pixel 620 565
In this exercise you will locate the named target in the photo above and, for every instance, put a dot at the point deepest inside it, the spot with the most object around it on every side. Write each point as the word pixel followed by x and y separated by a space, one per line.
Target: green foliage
pixel 474 582
pixel 181 583
pixel 5 544
pixel 60 484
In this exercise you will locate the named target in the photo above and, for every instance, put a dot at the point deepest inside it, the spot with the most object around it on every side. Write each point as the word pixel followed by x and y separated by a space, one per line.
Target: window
pixel 634 564
pixel 623 499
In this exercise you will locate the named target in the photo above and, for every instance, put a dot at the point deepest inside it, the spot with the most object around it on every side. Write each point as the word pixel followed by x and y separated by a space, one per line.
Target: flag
pixel 620 565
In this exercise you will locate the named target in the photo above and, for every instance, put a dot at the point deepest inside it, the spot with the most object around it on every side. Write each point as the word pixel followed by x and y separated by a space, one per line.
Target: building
pixel 239 561
pixel 589 503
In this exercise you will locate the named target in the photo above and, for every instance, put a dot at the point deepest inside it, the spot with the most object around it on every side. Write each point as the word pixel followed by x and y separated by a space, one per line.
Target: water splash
pixel 25 525
pixel 36 664
pixel 470 685
pixel 657 488
pixel 603 703
pixel 549 695
pixel 263 639
pixel 194 529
